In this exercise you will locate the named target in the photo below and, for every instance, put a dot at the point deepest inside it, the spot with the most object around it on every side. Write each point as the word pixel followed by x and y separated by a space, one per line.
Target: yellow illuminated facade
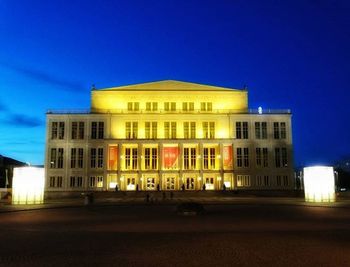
pixel 169 135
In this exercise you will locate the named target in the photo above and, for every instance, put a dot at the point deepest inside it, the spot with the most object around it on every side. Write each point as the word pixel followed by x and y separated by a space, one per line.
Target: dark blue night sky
pixel 291 54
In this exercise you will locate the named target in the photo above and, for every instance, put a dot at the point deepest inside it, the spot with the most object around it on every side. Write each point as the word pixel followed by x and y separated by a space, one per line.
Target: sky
pixel 290 54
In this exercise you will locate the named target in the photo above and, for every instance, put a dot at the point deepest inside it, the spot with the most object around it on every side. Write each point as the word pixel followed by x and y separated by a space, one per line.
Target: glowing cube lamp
pixel 319 184
pixel 28 185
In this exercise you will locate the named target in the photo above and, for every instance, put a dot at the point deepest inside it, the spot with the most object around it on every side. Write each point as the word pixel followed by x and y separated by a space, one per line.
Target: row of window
pixel 151 157
pixel 279 130
pixel 169 106
pixel 262 180
pixel 77 130
pixel 242 181
pixel 170 130
pixel 76 181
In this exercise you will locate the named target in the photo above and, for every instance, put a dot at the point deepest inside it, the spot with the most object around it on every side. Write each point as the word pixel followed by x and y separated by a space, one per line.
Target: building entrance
pixel 130 184
pixel 170 183
pixel 209 183
pixel 189 183
pixel 150 183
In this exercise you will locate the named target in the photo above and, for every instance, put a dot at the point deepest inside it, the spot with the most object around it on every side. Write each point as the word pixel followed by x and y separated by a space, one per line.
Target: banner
pixel 113 157
pixel 170 157
pixel 227 151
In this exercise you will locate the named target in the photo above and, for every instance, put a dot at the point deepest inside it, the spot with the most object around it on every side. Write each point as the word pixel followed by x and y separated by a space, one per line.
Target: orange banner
pixel 170 157
pixel 227 151
pixel 113 157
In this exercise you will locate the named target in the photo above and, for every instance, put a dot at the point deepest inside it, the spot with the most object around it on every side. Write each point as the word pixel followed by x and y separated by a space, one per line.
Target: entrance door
pixel 209 183
pixel 170 183
pixel 190 183
pixel 150 183
pixel 130 184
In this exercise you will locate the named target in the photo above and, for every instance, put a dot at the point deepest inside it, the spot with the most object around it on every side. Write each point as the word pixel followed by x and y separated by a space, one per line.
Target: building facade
pixel 169 135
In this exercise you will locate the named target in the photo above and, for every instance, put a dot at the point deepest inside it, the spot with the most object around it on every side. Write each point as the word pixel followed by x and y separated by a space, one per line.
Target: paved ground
pixel 236 232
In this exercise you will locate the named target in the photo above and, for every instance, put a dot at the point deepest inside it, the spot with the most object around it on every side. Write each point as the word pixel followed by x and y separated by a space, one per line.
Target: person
pixel 183 187
pixel 204 187
pixel 158 187
pixel 224 187
pixel 137 187
pixel 116 188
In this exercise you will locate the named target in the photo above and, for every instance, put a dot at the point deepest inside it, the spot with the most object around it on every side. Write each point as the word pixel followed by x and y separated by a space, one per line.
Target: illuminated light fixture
pixel 199 178
pixel 219 178
pixel 218 156
pixel 28 185
pixel 260 110
pixel 319 184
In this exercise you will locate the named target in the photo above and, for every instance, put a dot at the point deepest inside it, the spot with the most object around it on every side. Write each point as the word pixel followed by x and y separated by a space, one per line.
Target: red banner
pixel 170 157
pixel 113 157
pixel 227 151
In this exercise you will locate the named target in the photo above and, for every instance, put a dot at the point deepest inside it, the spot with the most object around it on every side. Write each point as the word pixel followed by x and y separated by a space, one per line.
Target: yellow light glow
pixel 28 185
pixel 319 184
pixel 112 184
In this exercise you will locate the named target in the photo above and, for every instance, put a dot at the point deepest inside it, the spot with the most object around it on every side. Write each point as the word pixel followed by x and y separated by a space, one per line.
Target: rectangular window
pixel 131 158
pixel 100 158
pixel 151 158
pixel 281 157
pixel 97 130
pixel 238 130
pixel 151 130
pixel 101 130
pixel 77 131
pixel 206 106
pixel 245 130
pixel 263 130
pixel 188 106
pixel 266 180
pixel 283 130
pixel 278 180
pixel 73 157
pixel 166 106
pixel 92 181
pixel 133 106
pixel 166 130
pixel 285 180
pixel 260 130
pixel 54 130
pixel 53 158
pixel 173 129
pixel 60 158
pixel 93 154
pixel 209 158
pixel 131 130
pixel 239 157
pixel 257 130
pixel 276 131
pixel 209 130
pixel 76 181
pixel 284 157
pixel 258 157
pixel 259 180
pixel 243 180
pixel 80 157
pixel 193 130
pixel 134 130
pixel 173 106
pixel 246 157
pixel 242 157
pixel 265 157
pixel 99 181
pixel 52 181
pixel 190 158
pixel 186 130
pixel 148 106
pixel 61 130
pixel 74 130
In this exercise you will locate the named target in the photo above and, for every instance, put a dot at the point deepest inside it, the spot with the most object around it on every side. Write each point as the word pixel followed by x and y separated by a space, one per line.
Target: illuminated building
pixel 169 135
